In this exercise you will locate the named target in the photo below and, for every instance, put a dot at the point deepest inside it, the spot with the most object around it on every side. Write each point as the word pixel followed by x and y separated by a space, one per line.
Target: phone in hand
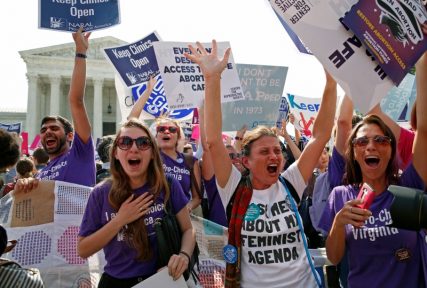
pixel 367 194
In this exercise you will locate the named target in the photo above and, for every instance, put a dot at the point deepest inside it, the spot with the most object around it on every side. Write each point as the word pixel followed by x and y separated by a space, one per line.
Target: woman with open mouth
pixel 121 212
pixel 266 246
pixel 379 255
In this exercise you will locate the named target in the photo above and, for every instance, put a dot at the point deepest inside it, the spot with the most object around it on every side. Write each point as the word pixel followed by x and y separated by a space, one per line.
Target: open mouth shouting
pixel 372 161
pixel 272 168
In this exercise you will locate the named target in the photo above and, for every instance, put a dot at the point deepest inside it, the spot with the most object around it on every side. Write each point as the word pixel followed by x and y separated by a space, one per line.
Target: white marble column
pixel 32 111
pixel 55 94
pixel 119 117
pixel 97 108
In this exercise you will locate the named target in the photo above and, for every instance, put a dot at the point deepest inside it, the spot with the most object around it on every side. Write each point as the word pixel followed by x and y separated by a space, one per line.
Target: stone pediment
pixel 67 50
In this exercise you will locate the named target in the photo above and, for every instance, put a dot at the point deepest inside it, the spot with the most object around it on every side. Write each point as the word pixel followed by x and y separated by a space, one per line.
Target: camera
pixel 409 208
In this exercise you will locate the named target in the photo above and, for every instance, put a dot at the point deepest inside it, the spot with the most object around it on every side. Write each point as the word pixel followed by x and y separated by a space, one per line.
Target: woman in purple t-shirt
pixel 168 134
pixel 379 254
pixel 121 211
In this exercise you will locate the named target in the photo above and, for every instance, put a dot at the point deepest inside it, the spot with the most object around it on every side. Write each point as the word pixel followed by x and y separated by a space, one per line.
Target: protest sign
pixel 15 127
pixel 305 110
pixel 155 106
pixel 36 142
pixel 69 15
pixel 24 144
pixel 263 88
pixel 283 112
pixel 397 98
pixel 211 238
pixel 294 37
pixel 136 62
pixel 391 31
pixel 162 279
pixel 183 79
pixel 338 49
pixel 45 224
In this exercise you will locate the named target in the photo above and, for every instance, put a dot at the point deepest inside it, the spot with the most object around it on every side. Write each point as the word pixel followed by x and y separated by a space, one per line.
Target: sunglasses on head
pixel 234 155
pixel 378 139
pixel 171 129
pixel 142 143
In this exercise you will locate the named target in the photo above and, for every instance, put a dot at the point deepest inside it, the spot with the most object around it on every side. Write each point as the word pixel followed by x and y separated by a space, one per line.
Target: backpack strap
pixel 189 163
pixel 291 189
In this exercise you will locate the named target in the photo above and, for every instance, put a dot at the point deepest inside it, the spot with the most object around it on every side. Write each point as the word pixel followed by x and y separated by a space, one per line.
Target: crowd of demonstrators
pixel 120 212
pixel 260 190
pixel 263 189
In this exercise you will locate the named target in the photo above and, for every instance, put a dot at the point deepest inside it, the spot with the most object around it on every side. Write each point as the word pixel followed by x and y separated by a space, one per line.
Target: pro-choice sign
pixel 69 15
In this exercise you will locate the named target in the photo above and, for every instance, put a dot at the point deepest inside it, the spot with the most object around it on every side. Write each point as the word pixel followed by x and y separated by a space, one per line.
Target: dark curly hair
pixel 9 150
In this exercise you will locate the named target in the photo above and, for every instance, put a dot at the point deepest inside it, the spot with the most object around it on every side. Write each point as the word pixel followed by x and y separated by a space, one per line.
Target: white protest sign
pixel 342 54
pixel 183 80
pixel 46 224
pixel 305 110
pixel 162 279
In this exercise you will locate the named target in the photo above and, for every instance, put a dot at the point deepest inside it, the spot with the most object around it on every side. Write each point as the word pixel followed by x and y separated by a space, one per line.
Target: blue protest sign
pixel 69 15
pixel 157 103
pixel 135 62
pixel 397 98
pixel 283 112
pixel 15 127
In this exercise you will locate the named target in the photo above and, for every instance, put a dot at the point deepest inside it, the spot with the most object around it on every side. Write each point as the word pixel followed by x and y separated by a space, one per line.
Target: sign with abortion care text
pixel 183 80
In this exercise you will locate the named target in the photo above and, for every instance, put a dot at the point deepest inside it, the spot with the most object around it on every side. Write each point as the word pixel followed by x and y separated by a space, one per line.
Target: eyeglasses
pixel 171 129
pixel 234 155
pixel 378 139
pixel 142 143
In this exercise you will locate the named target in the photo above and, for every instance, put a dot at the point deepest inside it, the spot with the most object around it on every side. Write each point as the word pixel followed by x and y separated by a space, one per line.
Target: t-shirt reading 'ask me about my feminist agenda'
pixel 273 253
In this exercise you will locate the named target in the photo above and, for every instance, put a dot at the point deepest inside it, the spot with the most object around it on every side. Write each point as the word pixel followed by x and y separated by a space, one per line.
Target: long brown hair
pixel 136 232
pixel 353 173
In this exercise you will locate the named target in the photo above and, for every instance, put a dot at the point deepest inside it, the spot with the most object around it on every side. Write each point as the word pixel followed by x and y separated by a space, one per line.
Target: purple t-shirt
pixel 178 170
pixel 372 249
pixel 76 166
pixel 216 210
pixel 336 169
pixel 120 257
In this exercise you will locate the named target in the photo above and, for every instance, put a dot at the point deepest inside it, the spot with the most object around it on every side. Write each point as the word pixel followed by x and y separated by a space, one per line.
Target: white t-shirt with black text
pixel 273 252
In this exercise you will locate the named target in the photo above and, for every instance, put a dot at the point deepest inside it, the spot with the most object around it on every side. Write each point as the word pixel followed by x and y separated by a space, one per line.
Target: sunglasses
pixel 378 139
pixel 234 155
pixel 171 129
pixel 142 143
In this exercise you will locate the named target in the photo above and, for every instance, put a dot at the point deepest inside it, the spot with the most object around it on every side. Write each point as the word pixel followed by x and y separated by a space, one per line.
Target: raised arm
pixel 419 153
pixel 140 103
pixel 294 148
pixel 322 129
pixel 207 165
pixel 77 87
pixel 212 68
pixel 239 137
pixel 344 123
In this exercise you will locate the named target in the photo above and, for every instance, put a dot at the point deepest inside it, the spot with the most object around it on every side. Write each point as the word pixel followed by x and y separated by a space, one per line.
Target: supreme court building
pixel 49 71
